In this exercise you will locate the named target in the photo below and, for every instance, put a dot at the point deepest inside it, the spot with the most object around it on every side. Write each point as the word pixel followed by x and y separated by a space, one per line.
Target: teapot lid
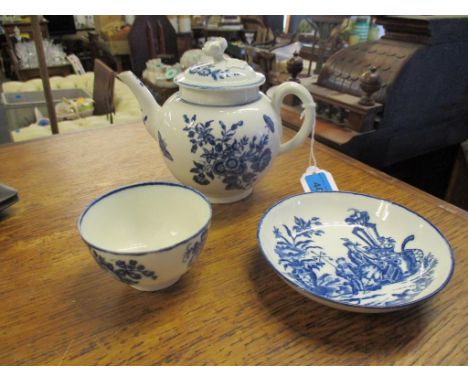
pixel 220 74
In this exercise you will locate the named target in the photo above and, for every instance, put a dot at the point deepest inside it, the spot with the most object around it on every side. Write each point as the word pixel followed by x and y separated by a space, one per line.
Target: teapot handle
pixel 309 110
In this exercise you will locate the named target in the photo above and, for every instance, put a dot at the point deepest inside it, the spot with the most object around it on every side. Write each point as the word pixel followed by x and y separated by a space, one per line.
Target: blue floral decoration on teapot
pixel 237 161
pixel 215 74
pixel 269 123
pixel 163 147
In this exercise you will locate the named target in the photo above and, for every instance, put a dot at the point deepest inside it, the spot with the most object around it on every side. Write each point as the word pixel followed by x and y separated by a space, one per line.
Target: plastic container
pixel 19 106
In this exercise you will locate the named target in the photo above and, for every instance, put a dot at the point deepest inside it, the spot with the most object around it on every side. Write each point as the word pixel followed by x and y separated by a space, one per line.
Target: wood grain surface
pixel 58 307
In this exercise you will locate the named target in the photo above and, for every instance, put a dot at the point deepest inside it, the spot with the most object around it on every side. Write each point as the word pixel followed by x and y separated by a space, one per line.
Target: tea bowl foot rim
pixel 158 287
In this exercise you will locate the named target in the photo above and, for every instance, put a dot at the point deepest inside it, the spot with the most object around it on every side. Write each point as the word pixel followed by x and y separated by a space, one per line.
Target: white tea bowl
pixel 147 235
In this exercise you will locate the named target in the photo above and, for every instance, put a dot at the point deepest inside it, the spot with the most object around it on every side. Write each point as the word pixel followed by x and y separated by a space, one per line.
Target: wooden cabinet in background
pixel 26 28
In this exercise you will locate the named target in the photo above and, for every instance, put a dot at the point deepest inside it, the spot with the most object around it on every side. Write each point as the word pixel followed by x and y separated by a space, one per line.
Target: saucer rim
pixel 308 293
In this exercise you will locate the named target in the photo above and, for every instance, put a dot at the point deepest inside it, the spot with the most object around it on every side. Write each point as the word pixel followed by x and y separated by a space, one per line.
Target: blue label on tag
pixel 318 182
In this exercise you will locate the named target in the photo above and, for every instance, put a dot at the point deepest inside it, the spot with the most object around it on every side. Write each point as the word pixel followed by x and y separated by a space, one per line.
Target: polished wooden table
pixel 58 307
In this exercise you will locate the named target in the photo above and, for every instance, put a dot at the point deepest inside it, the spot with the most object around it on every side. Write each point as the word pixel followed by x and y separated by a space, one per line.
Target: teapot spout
pixel 149 106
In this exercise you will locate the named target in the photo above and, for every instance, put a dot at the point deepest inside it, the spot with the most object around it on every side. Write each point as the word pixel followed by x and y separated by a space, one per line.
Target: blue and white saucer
pixel 355 252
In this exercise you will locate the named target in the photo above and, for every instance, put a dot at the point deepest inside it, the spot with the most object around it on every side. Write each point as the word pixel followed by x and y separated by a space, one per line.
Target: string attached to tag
pixel 312 159
pixel 315 179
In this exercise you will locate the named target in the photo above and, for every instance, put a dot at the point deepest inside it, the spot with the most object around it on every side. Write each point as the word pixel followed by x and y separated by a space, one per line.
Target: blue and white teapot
pixel 219 133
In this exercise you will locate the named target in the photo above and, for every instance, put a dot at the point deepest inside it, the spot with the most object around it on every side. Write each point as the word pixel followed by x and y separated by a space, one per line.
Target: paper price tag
pixel 317 180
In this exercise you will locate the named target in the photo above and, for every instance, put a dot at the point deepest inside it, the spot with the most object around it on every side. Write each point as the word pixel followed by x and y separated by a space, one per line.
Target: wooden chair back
pixel 103 92
pixel 14 62
pixel 151 37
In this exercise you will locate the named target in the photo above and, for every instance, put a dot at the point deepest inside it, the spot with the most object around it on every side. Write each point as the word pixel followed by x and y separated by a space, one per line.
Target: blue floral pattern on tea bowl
pixel 355 252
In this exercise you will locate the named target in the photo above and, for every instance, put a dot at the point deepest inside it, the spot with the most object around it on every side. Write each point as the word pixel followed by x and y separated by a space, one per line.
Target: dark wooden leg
pixel 118 63
pixel 37 35
pixel 457 190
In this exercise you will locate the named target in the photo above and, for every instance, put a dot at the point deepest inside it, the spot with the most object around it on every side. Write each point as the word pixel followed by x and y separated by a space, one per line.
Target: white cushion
pixel 127 109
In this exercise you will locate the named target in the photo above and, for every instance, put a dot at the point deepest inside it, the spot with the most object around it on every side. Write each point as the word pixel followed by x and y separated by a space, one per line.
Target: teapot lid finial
pixel 220 80
pixel 215 49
